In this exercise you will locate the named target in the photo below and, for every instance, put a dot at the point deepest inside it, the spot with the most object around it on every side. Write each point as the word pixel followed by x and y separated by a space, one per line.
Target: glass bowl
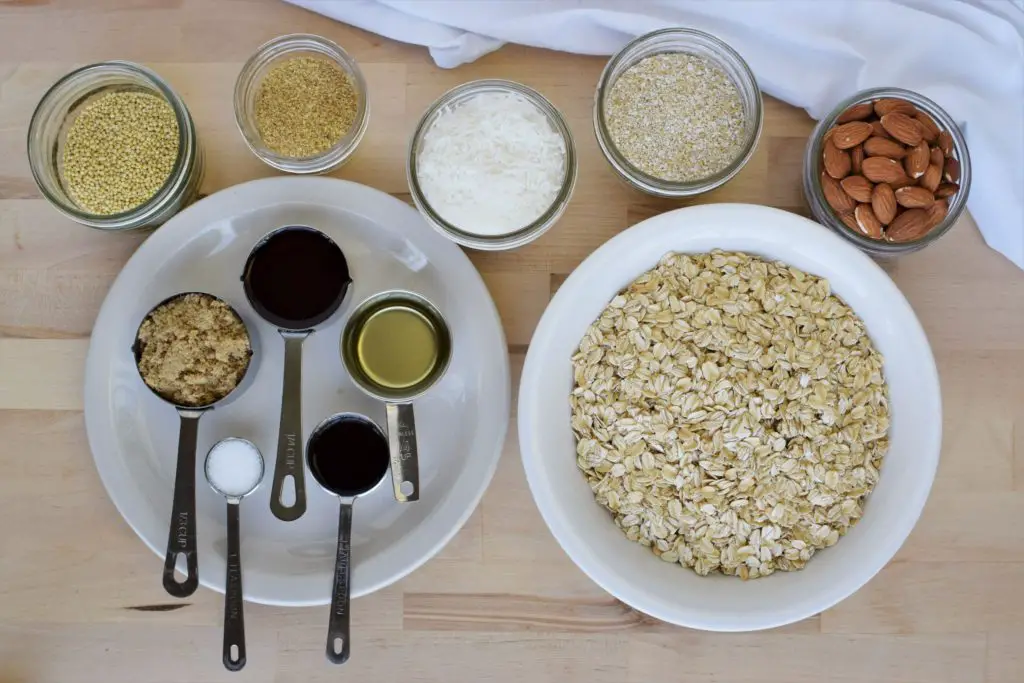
pixel 57 110
pixel 824 214
pixel 689 41
pixel 527 234
pixel 251 76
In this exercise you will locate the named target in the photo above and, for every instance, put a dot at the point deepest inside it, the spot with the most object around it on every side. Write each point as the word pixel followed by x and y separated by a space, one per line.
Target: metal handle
pixel 405 468
pixel 338 624
pixel 289 437
pixel 181 540
pixel 234 623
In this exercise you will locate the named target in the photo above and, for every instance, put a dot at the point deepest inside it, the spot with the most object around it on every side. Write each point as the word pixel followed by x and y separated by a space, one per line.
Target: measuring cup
pixel 181 539
pixel 234 469
pixel 398 399
pixel 295 278
pixel 348 456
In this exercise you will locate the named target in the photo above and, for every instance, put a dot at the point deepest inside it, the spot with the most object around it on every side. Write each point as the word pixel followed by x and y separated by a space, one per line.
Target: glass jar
pixel 248 83
pixel 538 227
pixel 813 164
pixel 56 112
pixel 688 41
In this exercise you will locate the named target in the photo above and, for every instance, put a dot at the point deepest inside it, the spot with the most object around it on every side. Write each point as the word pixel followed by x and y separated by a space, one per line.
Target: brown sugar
pixel 193 350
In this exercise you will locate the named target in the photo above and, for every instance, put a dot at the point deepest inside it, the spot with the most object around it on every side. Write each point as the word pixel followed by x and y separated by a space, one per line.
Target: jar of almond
pixel 888 170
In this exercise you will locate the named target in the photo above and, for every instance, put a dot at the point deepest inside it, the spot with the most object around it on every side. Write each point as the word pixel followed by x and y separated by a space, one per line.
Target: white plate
pixel 461 421
pixel 631 572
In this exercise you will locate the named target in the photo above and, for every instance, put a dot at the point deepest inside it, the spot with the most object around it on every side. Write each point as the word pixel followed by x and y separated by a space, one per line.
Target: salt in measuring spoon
pixel 295 278
pixel 348 456
pixel 234 469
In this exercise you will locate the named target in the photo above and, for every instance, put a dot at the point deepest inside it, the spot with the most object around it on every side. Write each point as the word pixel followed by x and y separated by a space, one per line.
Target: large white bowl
pixel 631 572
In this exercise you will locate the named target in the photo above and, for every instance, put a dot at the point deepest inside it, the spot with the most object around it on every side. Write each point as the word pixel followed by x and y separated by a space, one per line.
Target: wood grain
pixel 79 594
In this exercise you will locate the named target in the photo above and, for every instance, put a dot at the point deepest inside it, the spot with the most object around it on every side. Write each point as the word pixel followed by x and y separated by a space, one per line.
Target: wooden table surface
pixel 80 595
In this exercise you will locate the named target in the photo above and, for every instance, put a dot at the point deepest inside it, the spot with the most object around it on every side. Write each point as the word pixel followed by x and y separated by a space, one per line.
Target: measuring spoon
pixel 348 456
pixel 295 278
pixel 181 539
pixel 395 346
pixel 234 469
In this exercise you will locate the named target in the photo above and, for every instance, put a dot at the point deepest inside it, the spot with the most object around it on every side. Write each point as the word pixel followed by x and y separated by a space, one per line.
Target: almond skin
pixel 867 223
pixel 884 147
pixel 945 142
pixel 835 195
pixel 883 170
pixel 857 158
pixel 929 129
pixel 849 220
pixel 890 104
pixel 951 171
pixel 914 197
pixel 932 177
pixel 937 157
pixel 946 190
pixel 857 112
pixel 835 160
pixel 851 134
pixel 878 130
pixel 903 128
pixel 858 187
pixel 937 213
pixel 883 203
pixel 908 226
pixel 917 159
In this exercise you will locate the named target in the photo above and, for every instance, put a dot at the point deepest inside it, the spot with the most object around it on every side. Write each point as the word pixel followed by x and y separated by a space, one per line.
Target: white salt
pixel 234 467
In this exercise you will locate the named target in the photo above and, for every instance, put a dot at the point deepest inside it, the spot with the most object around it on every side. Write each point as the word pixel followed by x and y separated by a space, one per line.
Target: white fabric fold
pixel 966 55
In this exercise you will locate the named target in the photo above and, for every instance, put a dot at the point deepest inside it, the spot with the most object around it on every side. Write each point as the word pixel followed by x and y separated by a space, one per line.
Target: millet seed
pixel 119 151
pixel 676 117
pixel 304 106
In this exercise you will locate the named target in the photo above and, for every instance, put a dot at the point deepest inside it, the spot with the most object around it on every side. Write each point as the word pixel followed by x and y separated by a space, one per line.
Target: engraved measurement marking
pixel 234 577
pixel 289 450
pixel 181 530
pixel 341 573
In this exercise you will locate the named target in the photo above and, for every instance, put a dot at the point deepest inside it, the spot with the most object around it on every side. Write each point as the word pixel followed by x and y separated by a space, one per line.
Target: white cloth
pixel 966 55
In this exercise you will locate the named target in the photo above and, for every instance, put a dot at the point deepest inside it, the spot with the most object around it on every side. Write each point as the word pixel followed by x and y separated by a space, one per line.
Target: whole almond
pixel 883 203
pixel 878 130
pixel 914 197
pixel 851 134
pixel 937 212
pixel 836 161
pixel 945 142
pixel 890 104
pixel 867 222
pixel 857 158
pixel 902 127
pixel 884 147
pixel 916 161
pixel 932 177
pixel 951 171
pixel 835 195
pixel 857 112
pixel 905 181
pixel 929 129
pixel 908 226
pixel 946 190
pixel 936 156
pixel 882 170
pixel 858 187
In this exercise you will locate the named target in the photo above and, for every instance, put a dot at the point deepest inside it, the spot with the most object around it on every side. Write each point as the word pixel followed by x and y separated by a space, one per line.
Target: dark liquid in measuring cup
pixel 348 456
pixel 296 278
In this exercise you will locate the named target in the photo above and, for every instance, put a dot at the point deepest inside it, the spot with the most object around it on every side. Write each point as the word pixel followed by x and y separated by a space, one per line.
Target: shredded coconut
pixel 492 164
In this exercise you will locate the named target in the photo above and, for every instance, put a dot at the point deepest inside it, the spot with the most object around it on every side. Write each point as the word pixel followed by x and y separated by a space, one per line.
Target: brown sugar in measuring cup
pixel 174 350
pixel 296 277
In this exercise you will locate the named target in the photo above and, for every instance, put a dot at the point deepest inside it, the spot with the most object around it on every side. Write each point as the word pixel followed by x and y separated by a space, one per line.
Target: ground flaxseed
pixel 676 116
pixel 119 151
pixel 193 350
pixel 304 106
